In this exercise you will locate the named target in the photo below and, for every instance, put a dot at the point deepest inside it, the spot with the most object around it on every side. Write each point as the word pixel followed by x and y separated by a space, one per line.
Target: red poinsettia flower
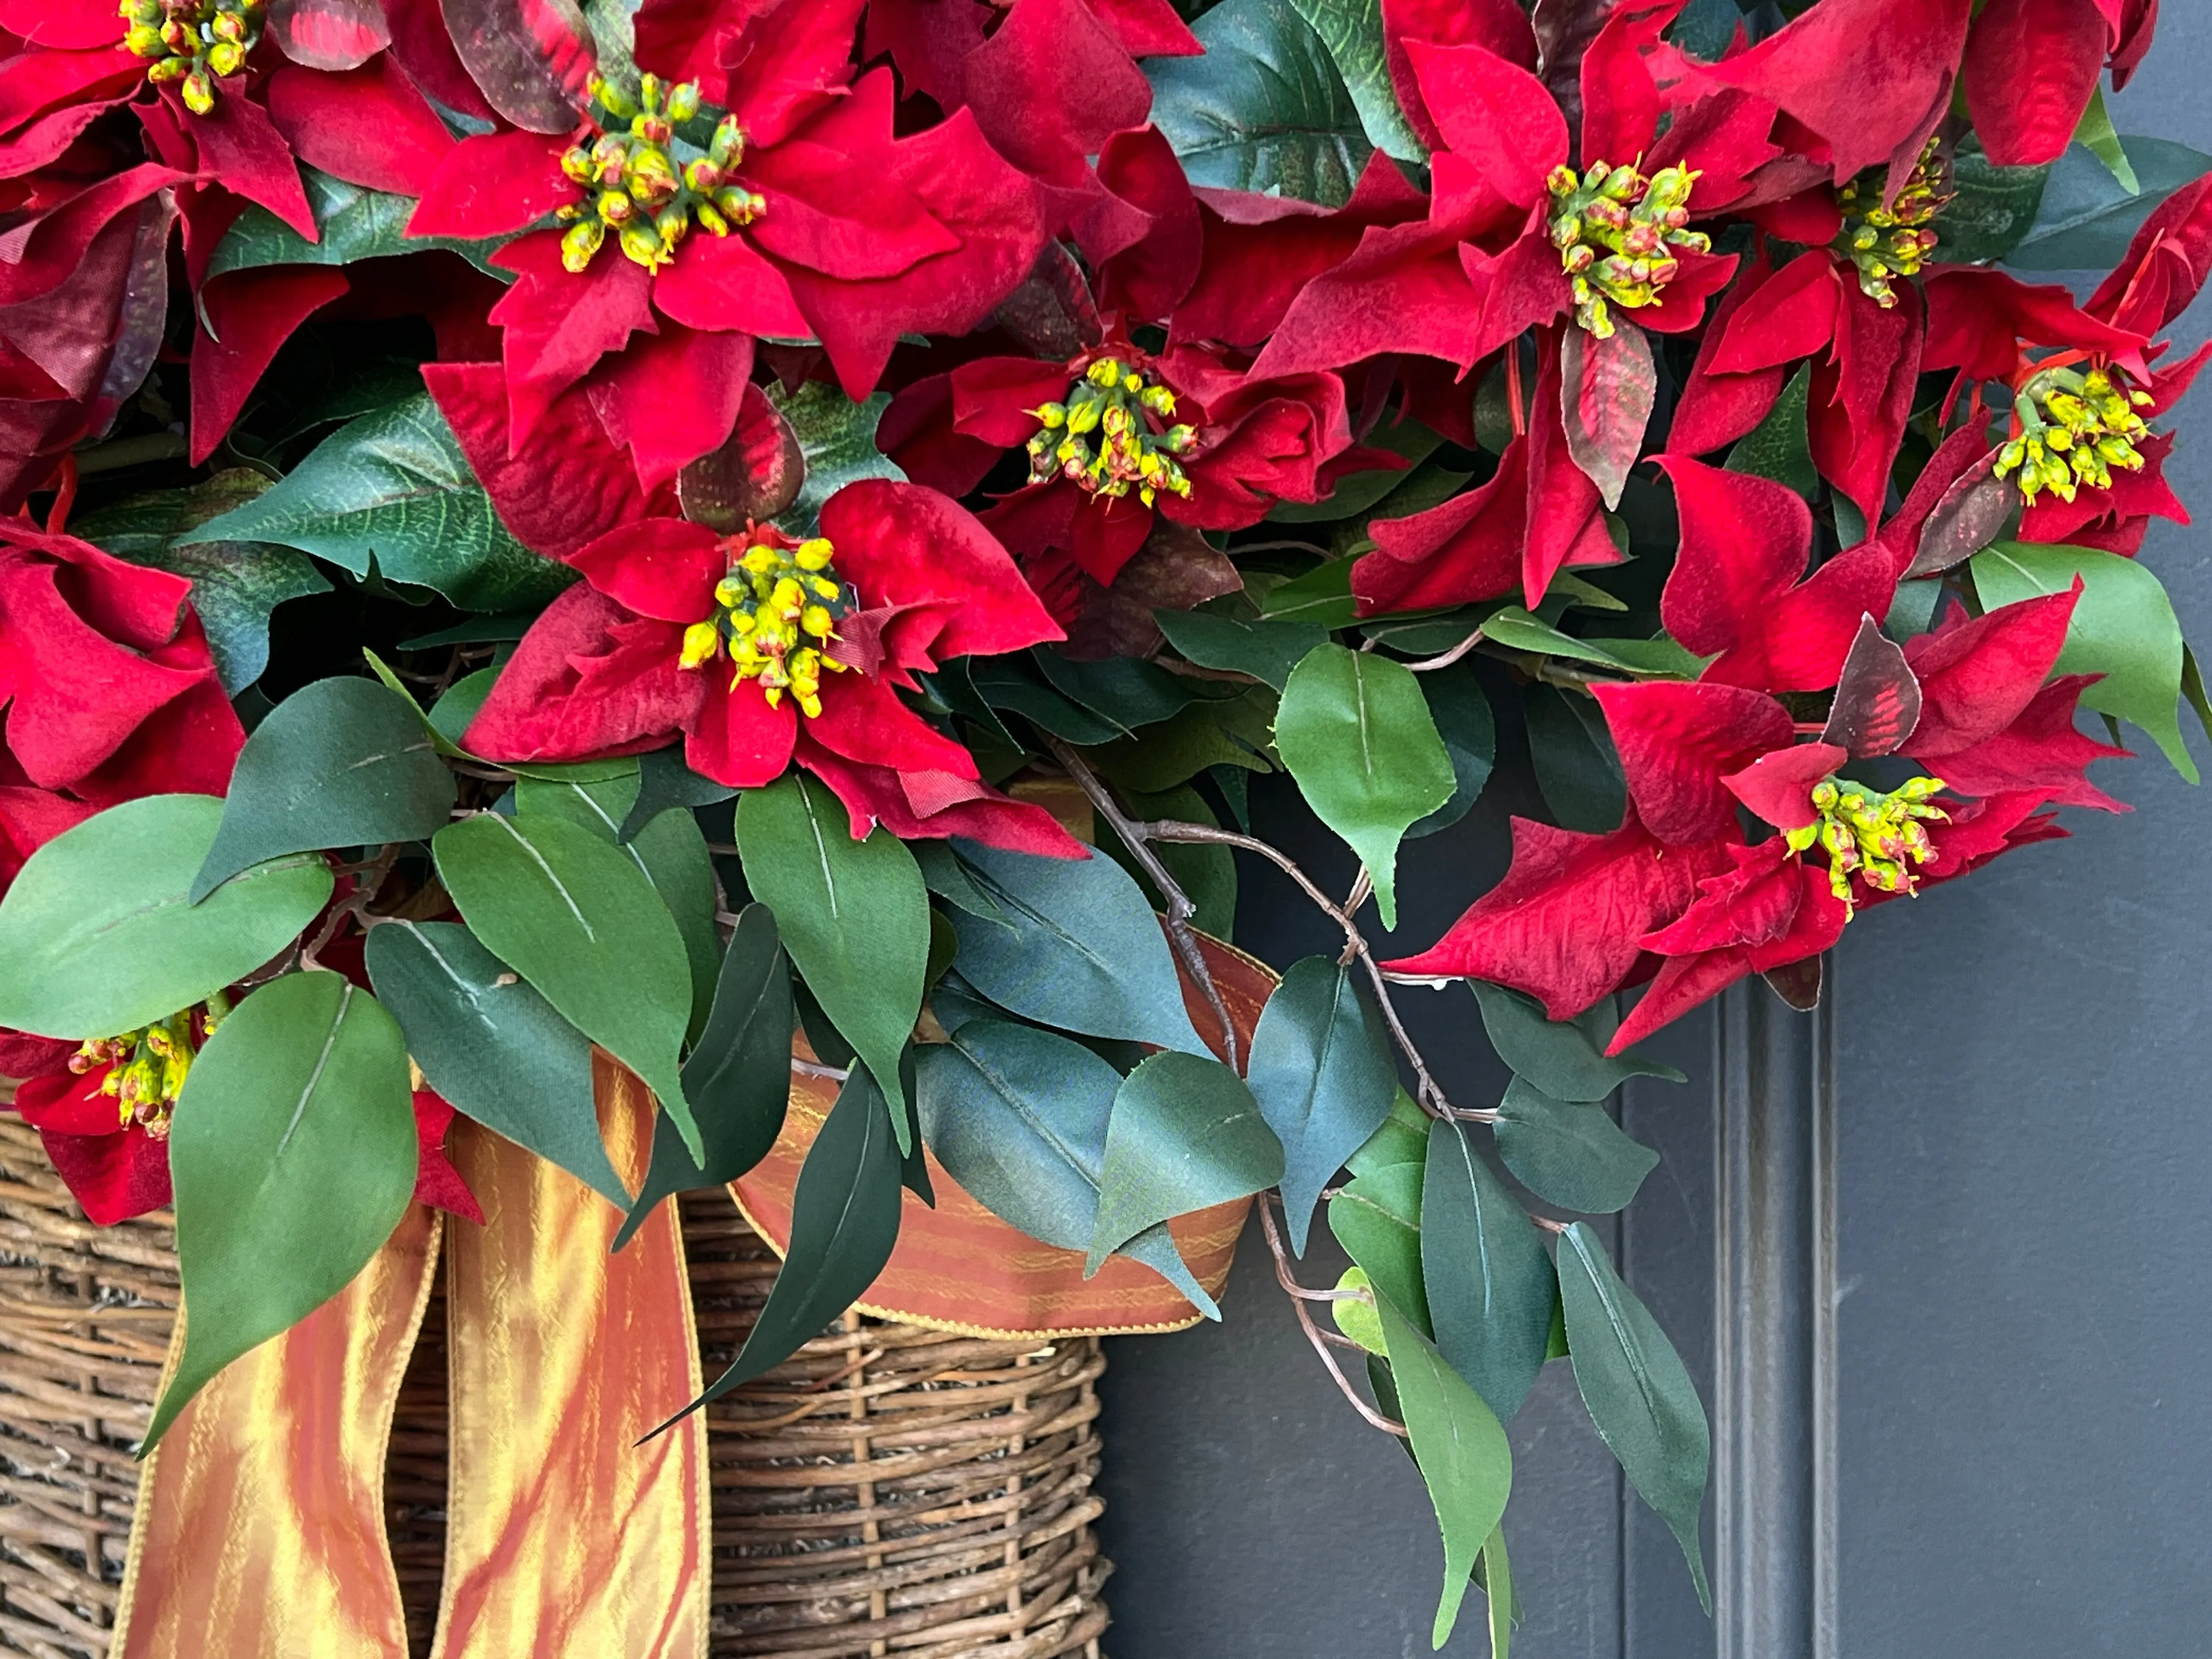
pixel 760 649
pixel 798 214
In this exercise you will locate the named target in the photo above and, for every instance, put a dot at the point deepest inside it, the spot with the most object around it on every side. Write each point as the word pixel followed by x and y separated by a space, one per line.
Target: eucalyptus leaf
pixel 854 915
pixel 1185 1134
pixel 1566 1058
pixel 490 1044
pixel 340 762
pixel 1322 1072
pixel 1570 1153
pixel 1490 1285
pixel 293 1151
pixel 98 935
pixel 664 782
pixel 2087 218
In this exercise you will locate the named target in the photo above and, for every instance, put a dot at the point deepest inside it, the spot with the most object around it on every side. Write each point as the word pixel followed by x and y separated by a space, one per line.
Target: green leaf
pixel 669 850
pixel 1780 447
pixel 1465 1460
pixel 1490 1285
pixel 355 224
pixel 1566 1058
pixel 1206 734
pixel 1321 598
pixel 293 1151
pixel 1351 31
pixel 664 782
pixel 575 916
pixel 1078 949
pixel 490 1044
pixel 1185 1134
pixel 1322 1072
pixel 854 915
pixel 1266 650
pixel 1992 208
pixel 1607 388
pixel 2123 628
pixel 944 874
pixel 1207 875
pixel 1470 731
pixel 1570 1152
pixel 1376 1217
pixel 98 935
pixel 844 1224
pixel 1019 1118
pixel 393 489
pixel 1264 109
pixel 1362 491
pixel 2192 689
pixel 1403 1137
pixel 340 762
pixel 2086 220
pixel 2096 136
pixel 1517 629
pixel 1496 1577
pixel 1123 691
pixel 837 436
pixel 1355 1316
pixel 1017 684
pixel 1638 1393
pixel 1355 732
pixel 235 585
pixel 450 714
pixel 739 1077
pixel 1571 752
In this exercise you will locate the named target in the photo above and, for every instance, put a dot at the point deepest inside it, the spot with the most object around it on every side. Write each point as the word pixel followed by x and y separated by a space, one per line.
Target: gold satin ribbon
pixel 260 1519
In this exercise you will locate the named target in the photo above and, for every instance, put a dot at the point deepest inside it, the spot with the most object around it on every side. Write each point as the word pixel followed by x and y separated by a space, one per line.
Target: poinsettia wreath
pixel 524 518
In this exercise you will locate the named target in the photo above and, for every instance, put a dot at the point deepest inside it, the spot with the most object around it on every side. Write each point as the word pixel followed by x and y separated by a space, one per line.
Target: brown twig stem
pixel 1298 1295
pixel 356 904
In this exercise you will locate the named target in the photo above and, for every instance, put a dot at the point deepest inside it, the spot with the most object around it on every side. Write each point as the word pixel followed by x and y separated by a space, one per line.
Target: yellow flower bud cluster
pixel 647 184
pixel 1111 436
pixel 2074 426
pixel 1893 239
pixel 776 612
pixel 1879 837
pixel 198 42
pixel 147 1068
pixel 1615 229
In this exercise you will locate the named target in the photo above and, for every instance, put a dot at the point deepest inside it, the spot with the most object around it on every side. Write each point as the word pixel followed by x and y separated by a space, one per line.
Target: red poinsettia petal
pixel 1493 113
pixel 51 248
pixel 863 720
pixel 903 545
pixel 664 569
pixel 1753 903
pixel 437 1182
pixel 33 82
pixel 1405 288
pixel 737 738
pixel 1150 278
pixel 590 678
pixel 1467 548
pixel 240 145
pixel 61 25
pixel 1497 25
pixel 1715 408
pixel 918 434
pixel 2041 751
pixel 558 323
pixel 672 398
pixel 1566 924
pixel 1055 55
pixel 1105 533
pixel 1779 786
pixel 368 126
pixel 994 398
pixel 422 46
pixel 841 211
pixel 1795 318
pixel 187 746
pixel 493 185
pixel 246 315
pixel 2165 266
pixel 1977 320
pixel 1675 742
pixel 112 1176
pixel 1148 28
pixel 724 282
pixel 1566 514
pixel 2030 67
pixel 878 795
pixel 1978 675
pixel 1621 102
pixel 772 64
pixel 29 818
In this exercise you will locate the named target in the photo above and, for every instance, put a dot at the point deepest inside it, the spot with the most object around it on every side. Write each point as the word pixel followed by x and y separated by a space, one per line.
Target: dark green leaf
pixel 2123 628
pixel 1121 690
pixel 1376 1217
pixel 1205 734
pixel 1355 732
pixel 490 1044
pixel 1514 628
pixel 1322 1072
pixel 1470 731
pixel 1490 1285
pixel 1352 30
pixel 665 781
pixel 852 914
pixel 1992 208
pixel 1607 387
pixel 2086 219
pixel 1403 1137
pixel 477 630
pixel 1640 1395
pixel 293 1151
pixel 235 585
pixel 844 1224
pixel 669 849
pixel 1185 1134
pixel 1570 1152
pixel 393 488
pixel 1577 769
pixel 1321 598
pixel 1779 447
pixel 1462 1452
pixel 1017 684
pixel 838 438
pixel 450 715
pixel 1566 1058
pixel 1361 491
pixel 97 934
pixel 2192 689
pixel 1079 949
pixel 1266 650
pixel 1019 1117
pixel 738 1076
pixel 355 224
pixel 340 762
pixel 1264 109
pixel 944 874
pixel 573 915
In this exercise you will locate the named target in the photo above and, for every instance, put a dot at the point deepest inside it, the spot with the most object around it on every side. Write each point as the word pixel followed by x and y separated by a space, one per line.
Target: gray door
pixel 1935 1255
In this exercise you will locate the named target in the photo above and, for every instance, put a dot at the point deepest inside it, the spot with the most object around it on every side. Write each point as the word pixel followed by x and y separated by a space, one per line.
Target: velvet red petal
pixel 1054 55
pixel 1467 548
pixel 901 544
pixel 557 324
pixel 2030 67
pixel 246 316
pixel 878 795
pixel 590 678
pixel 664 569
pixel 240 145
pixel 493 185
pixel 2041 751
pixel 672 397
pixel 993 399
pixel 1779 786
pixel 368 126
pixel 737 738
pixel 1493 114
pixel 1977 675
pixel 437 1182
pixel 1150 278
pixel 1676 742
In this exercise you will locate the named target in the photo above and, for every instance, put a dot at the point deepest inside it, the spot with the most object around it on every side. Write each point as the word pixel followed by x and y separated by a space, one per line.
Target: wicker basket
pixel 889 1491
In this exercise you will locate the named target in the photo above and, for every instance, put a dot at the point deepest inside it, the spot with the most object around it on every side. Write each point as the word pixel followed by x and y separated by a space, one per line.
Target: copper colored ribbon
pixel 260 1519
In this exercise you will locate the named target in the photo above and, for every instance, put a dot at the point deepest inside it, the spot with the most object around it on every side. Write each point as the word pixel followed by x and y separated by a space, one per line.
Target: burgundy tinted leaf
pixel 1052 313
pixel 1607 389
pixel 1564 30
pixel 529 58
pixel 1971 515
pixel 330 34
pixel 1175 569
pixel 755 475
pixel 1877 698
pixel 143 317
pixel 1797 983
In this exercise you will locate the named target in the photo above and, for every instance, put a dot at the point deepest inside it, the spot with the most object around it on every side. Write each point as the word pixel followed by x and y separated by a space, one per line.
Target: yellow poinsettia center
pixel 647 184
pixel 776 612
pixel 1879 837
pixel 1616 230
pixel 1892 239
pixel 2073 425
pixel 147 1068
pixel 198 42
pixel 1111 437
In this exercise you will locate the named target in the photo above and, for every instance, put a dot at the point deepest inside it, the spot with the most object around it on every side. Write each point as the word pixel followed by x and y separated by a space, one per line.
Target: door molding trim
pixel 1774 1328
